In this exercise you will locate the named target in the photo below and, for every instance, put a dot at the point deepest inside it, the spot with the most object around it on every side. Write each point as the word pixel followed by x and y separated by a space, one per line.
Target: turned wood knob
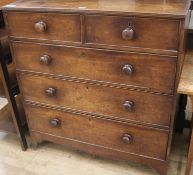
pixel 128 33
pixel 127 138
pixel 128 105
pixel 40 26
pixel 55 122
pixel 128 69
pixel 45 59
pixel 50 92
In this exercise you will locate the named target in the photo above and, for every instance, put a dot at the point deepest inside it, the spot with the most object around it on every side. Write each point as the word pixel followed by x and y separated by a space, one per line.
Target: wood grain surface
pixel 161 8
pixel 149 72
pixel 98 99
pixel 186 78
pixel 105 133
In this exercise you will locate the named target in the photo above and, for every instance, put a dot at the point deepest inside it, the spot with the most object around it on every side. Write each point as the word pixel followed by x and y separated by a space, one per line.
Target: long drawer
pixel 150 72
pixel 44 26
pixel 98 100
pixel 106 133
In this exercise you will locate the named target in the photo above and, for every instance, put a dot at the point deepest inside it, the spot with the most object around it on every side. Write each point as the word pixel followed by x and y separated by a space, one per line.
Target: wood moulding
pixel 95 82
pixel 91 114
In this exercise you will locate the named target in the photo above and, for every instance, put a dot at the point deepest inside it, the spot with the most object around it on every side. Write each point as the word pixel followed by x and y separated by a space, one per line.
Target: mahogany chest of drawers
pixel 100 75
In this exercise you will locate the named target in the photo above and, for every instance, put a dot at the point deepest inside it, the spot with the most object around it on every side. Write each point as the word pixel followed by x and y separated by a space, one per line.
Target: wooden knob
pixel 40 27
pixel 50 92
pixel 128 105
pixel 127 138
pixel 55 122
pixel 45 59
pixel 128 69
pixel 128 33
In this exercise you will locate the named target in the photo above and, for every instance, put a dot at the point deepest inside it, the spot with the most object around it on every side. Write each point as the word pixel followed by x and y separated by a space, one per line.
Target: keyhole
pixel 129 24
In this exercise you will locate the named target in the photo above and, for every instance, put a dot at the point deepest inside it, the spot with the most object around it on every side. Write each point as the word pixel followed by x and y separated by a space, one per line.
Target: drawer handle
pixel 128 33
pixel 128 69
pixel 50 92
pixel 128 105
pixel 127 138
pixel 45 59
pixel 55 122
pixel 40 26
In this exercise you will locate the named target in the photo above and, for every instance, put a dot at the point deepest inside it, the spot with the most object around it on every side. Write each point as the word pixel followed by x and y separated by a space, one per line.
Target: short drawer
pixel 150 72
pixel 44 26
pixel 118 136
pixel 132 32
pixel 98 100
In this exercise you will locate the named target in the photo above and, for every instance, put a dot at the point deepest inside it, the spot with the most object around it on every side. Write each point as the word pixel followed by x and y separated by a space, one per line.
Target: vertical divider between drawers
pixel 83 28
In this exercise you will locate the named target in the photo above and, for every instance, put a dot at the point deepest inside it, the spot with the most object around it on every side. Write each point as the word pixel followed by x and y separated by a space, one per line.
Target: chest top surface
pixel 4 2
pixel 186 79
pixel 165 8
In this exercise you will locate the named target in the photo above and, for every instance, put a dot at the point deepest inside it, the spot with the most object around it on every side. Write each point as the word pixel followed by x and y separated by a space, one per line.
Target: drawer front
pixel 98 100
pixel 44 26
pixel 148 33
pixel 114 135
pixel 150 72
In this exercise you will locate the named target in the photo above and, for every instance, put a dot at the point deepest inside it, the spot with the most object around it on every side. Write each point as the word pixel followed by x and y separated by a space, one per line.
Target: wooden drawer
pixel 147 71
pixel 147 33
pixel 44 26
pixel 98 100
pixel 106 133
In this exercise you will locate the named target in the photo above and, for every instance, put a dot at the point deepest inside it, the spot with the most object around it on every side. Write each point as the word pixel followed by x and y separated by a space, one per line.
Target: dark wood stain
pixel 101 76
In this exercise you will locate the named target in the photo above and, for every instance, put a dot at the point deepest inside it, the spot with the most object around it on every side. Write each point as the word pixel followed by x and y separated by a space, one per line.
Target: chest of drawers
pixel 100 76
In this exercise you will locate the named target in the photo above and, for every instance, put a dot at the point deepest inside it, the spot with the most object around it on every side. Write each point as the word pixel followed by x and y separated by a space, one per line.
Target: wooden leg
pixel 190 153
pixel 35 140
pixel 162 171
pixel 180 120
pixel 34 145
